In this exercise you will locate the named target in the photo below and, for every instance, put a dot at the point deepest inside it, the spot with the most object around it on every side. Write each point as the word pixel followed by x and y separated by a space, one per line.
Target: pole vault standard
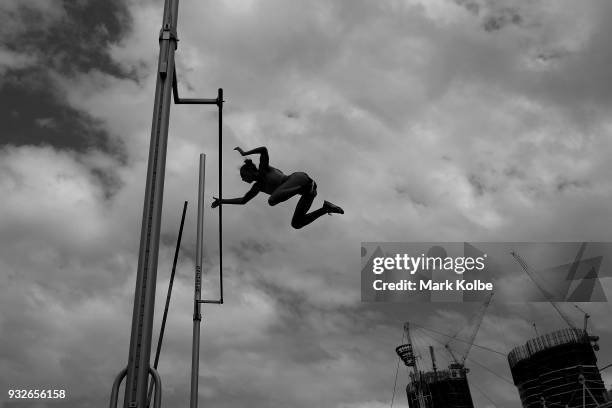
pixel 146 277
pixel 197 316
pixel 138 367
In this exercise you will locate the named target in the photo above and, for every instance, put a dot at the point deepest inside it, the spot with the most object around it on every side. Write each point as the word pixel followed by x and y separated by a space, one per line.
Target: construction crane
pixel 460 363
pixel 586 316
pixel 406 354
pixel 554 304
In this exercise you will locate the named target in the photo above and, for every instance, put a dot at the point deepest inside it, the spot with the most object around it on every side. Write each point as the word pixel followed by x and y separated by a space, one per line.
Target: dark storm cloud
pixel 494 15
pixel 76 42
pixel 73 42
pixel 498 20
pixel 37 116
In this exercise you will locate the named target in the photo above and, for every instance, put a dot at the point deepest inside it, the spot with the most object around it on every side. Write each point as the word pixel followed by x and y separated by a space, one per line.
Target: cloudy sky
pixel 426 120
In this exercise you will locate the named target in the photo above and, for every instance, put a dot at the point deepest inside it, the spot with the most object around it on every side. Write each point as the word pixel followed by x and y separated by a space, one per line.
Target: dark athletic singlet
pixel 271 179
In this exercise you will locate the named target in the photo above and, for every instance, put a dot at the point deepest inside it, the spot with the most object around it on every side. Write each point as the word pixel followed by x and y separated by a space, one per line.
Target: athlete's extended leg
pixel 301 218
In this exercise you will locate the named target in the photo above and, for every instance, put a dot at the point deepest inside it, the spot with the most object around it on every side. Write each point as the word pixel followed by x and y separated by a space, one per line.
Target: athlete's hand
pixel 239 150
pixel 215 202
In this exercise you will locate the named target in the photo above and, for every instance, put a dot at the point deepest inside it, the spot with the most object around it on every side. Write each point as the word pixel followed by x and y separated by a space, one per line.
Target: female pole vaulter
pixel 280 187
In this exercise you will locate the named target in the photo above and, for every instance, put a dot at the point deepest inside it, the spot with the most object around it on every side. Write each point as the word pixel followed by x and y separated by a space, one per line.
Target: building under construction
pixel 442 388
pixel 558 369
pixel 437 388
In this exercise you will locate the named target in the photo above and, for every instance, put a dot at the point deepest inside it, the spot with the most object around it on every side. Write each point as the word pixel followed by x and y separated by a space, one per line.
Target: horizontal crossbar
pixel 217 302
pixel 194 101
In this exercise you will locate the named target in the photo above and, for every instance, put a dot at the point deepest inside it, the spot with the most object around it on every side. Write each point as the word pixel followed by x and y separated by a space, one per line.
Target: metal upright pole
pixel 220 106
pixel 138 367
pixel 197 316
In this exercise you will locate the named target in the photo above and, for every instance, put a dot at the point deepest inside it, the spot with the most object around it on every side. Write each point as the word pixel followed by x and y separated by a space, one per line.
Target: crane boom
pixel 554 304
pixel 477 327
pixel 450 351
pixel 470 341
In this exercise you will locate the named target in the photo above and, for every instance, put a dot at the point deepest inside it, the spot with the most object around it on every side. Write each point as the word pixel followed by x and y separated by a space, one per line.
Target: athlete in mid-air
pixel 280 187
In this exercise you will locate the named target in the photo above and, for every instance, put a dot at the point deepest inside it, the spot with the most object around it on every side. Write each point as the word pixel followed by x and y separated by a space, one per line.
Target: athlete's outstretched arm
pixel 240 200
pixel 264 159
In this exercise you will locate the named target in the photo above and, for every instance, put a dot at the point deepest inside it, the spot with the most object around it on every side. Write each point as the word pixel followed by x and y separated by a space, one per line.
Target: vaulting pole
pixel 197 316
pixel 138 367
pixel 168 295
